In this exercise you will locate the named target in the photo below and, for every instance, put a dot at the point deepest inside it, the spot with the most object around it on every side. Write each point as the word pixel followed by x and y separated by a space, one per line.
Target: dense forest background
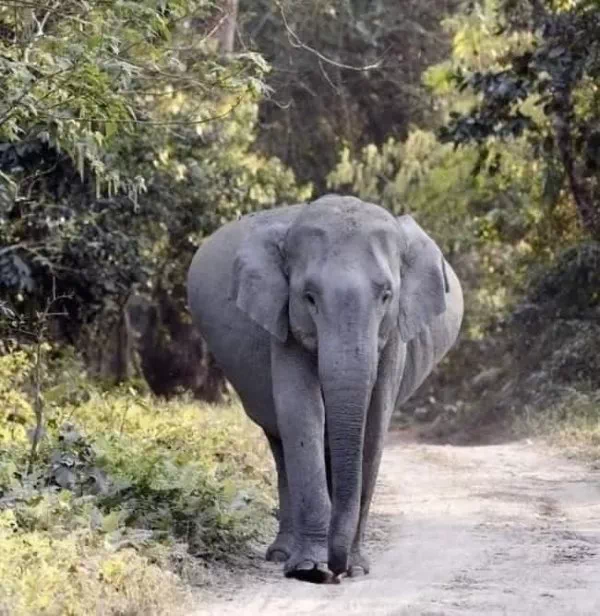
pixel 131 130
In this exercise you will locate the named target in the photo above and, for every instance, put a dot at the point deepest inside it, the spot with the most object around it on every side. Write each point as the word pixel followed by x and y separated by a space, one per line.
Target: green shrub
pixel 125 491
pixel 573 424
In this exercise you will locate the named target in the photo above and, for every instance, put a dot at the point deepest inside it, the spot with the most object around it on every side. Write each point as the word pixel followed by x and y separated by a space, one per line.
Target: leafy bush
pixel 125 492
pixel 573 424
pixel 79 572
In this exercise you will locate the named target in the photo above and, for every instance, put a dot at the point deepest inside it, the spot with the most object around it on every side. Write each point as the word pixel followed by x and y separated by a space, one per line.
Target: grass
pixel 573 424
pixel 131 502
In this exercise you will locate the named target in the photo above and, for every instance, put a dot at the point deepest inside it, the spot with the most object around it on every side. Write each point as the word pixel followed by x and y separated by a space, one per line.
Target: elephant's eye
pixel 386 296
pixel 310 299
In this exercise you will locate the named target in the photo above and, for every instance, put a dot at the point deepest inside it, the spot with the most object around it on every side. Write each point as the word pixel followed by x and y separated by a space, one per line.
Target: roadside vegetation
pixel 128 502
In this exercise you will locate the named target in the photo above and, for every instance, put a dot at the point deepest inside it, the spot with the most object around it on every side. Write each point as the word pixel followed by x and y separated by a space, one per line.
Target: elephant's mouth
pixel 309 341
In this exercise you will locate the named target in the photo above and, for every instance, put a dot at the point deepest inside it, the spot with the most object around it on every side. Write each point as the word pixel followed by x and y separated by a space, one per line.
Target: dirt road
pixel 503 529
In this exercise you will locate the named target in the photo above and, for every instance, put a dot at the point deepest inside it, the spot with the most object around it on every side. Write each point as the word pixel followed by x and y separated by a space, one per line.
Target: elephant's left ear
pixel 424 283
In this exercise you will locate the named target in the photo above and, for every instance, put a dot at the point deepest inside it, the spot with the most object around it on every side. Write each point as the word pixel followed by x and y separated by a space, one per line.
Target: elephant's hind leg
pixel 281 549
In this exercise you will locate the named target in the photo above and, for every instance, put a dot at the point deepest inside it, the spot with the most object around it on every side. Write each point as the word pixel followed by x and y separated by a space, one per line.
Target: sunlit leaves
pixel 546 91
pixel 92 91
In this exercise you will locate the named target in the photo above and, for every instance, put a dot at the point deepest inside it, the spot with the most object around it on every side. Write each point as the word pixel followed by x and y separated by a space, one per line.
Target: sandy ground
pixel 503 529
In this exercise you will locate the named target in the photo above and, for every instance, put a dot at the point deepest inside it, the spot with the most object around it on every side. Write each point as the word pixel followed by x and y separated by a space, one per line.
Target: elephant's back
pixel 210 268
pixel 241 348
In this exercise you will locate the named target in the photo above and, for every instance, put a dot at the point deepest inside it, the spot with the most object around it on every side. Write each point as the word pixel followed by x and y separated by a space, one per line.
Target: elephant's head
pixel 339 279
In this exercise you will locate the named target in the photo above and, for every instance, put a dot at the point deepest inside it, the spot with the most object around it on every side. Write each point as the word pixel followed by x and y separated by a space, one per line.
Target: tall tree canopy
pixel 124 136
pixel 545 85
pixel 343 73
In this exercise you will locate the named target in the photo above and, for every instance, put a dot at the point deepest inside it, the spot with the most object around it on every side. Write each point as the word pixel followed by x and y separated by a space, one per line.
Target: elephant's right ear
pixel 259 283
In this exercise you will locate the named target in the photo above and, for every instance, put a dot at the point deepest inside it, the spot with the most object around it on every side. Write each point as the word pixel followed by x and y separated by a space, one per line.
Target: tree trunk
pixel 226 32
pixel 589 213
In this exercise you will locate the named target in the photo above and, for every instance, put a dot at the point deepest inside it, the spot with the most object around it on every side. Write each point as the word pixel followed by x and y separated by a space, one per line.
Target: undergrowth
pixel 536 373
pixel 130 501
pixel 573 424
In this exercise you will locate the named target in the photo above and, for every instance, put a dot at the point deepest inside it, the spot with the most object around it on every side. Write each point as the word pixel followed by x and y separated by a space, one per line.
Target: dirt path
pixel 504 529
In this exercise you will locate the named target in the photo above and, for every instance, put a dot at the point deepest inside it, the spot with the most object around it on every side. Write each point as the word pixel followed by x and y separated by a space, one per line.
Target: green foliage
pixel 125 137
pixel 75 570
pixel 573 424
pixel 571 287
pixel 544 89
pixel 125 490
pixel 321 96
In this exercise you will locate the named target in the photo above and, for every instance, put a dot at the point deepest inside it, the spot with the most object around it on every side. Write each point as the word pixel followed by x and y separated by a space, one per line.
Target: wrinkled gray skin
pixel 324 317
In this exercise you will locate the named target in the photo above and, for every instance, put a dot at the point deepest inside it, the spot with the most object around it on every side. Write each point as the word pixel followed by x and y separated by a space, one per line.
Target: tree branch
pixel 295 41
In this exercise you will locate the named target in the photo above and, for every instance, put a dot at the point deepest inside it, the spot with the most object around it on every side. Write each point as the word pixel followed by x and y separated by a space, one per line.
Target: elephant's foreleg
pixel 359 563
pixel 281 549
pixel 301 423
pixel 378 420
pixel 328 467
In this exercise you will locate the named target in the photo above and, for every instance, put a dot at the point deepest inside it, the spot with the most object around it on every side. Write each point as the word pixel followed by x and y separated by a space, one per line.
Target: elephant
pixel 324 318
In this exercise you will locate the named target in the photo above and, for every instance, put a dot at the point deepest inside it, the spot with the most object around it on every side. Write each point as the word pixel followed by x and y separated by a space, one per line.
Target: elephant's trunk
pixel 347 372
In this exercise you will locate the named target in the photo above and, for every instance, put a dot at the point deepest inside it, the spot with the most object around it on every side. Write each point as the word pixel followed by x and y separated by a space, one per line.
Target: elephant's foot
pixel 280 550
pixel 359 564
pixel 309 564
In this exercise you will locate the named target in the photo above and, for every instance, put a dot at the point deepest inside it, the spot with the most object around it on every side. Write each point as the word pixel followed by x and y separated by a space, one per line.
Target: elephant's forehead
pixel 344 240
pixel 349 210
pixel 332 221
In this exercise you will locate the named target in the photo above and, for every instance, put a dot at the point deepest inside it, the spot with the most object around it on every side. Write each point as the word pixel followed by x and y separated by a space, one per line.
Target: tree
pixel 343 73
pixel 546 90
pixel 124 138
pixel 228 30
